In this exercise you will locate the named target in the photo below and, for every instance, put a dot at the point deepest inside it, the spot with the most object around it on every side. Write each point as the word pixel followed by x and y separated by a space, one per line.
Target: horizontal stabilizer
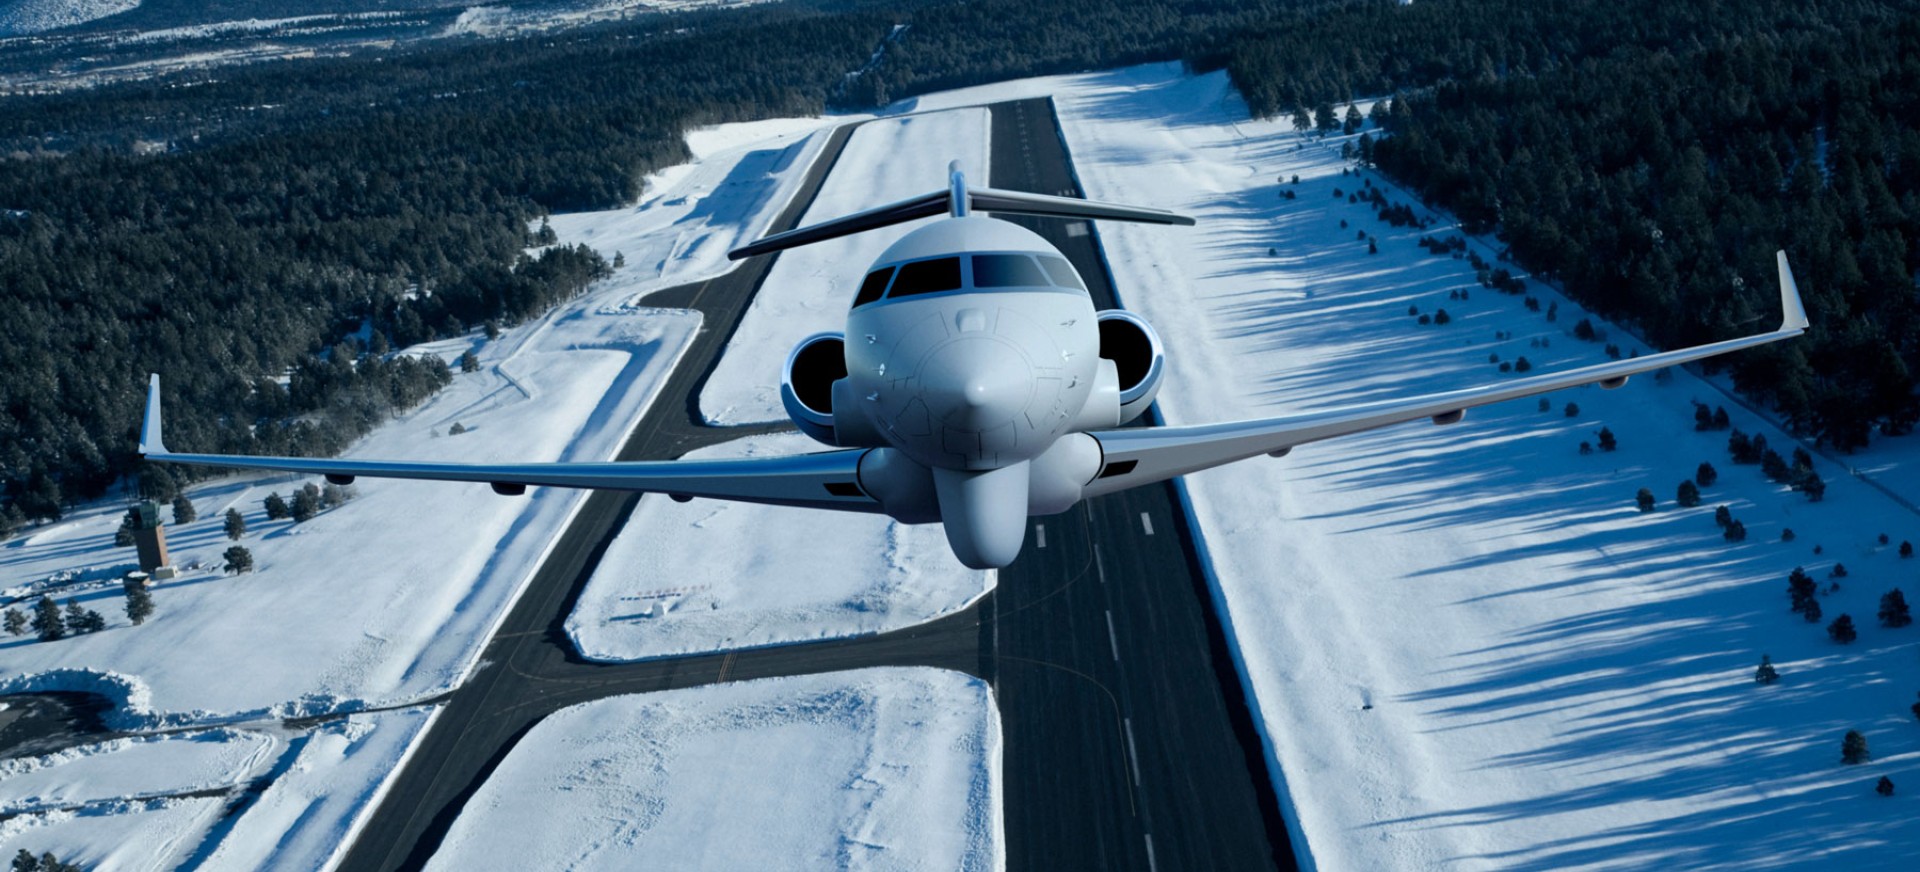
pixel 957 200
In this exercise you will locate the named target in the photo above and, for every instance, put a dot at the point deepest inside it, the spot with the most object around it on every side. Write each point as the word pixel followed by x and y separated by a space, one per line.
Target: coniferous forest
pixel 1650 156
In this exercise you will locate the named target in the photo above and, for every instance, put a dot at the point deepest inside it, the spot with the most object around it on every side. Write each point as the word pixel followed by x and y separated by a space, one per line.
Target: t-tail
pixel 957 201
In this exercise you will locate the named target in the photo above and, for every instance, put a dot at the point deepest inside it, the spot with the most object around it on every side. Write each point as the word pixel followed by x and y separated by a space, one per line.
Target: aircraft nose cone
pixel 978 384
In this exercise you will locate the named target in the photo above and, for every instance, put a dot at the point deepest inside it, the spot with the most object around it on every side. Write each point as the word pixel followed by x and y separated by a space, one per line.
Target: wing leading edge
pixel 826 480
pixel 1148 454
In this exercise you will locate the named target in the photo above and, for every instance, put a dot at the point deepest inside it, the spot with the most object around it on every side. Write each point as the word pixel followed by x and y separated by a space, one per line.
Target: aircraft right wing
pixel 1143 455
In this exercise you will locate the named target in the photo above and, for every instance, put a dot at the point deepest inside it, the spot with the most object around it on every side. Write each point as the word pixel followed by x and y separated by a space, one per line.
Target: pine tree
pixel 1853 748
pixel 457 429
pixel 1916 708
pixel 236 525
pixel 46 620
pixel 1885 787
pixel 238 559
pixel 1893 609
pixel 183 512
pixel 1736 532
pixel 1766 673
pixel 1644 499
pixel 1813 487
pixel 16 622
pixel 276 507
pixel 92 621
pixel 1773 466
pixel 1801 588
pixel 1720 421
pixel 1689 495
pixel 76 617
pixel 332 495
pixel 1606 440
pixel 1740 447
pixel 139 604
pixel 1906 548
pixel 123 537
pixel 305 505
pixel 1839 570
pixel 468 362
pixel 1812 613
pixel 1702 417
pixel 1841 630
pixel 1573 410
pixel 25 862
pixel 1723 516
pixel 1786 534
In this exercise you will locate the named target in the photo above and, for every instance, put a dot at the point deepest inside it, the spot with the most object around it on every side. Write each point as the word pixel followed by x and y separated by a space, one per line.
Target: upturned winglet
pixel 150 442
pixel 1794 314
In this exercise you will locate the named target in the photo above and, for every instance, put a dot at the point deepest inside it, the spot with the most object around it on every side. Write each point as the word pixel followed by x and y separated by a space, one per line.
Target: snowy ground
pixel 691 578
pixel 810 288
pixel 1523 670
pixel 870 769
pixel 432 567
pixel 169 801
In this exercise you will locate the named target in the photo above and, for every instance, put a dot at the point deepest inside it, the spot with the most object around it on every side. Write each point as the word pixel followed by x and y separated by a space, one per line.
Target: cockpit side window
pixel 1062 273
pixel 927 277
pixel 1006 271
pixel 873 287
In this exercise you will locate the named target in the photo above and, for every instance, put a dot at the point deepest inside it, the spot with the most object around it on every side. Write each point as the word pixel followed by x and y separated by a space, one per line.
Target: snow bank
pixel 145 836
pixel 135 768
pixel 335 778
pixel 1523 671
pixel 870 769
pixel 810 288
pixel 692 578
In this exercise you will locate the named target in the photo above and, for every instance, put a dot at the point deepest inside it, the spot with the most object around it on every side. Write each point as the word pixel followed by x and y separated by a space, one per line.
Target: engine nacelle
pixel 806 384
pixel 1138 360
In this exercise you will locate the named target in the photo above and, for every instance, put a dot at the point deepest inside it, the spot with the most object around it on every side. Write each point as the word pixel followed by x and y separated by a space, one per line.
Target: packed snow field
pixel 167 802
pixel 868 769
pixel 691 578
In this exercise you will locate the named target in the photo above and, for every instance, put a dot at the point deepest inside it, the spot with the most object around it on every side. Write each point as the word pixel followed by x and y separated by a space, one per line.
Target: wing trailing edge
pixel 1158 453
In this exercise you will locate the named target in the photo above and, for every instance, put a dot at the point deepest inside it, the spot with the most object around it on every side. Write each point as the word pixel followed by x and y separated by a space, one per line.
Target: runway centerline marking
pixel 1147 523
pixel 1113 637
pixel 1133 752
pixel 1151 866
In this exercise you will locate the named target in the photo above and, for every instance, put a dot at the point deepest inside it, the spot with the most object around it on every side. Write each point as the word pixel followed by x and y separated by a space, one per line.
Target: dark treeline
pixel 1652 156
pixel 297 202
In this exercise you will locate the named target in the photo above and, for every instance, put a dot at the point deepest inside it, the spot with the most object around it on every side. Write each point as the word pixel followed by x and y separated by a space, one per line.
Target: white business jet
pixel 975 386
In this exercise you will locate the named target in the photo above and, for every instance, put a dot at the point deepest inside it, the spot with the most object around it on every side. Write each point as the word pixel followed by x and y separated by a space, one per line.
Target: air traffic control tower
pixel 150 537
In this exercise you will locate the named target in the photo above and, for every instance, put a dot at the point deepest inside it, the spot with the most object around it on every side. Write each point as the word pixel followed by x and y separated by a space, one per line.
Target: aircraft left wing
pixel 1142 455
pixel 826 480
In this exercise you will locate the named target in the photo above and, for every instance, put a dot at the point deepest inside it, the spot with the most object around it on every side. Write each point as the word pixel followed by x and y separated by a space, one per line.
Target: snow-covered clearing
pixel 322 794
pixel 691 578
pixel 138 836
pixel 1467 647
pixel 809 288
pixel 123 804
pixel 870 769
pixel 135 767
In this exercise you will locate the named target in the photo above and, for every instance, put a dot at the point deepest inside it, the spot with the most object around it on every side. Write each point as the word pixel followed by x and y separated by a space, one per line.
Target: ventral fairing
pixel 975 385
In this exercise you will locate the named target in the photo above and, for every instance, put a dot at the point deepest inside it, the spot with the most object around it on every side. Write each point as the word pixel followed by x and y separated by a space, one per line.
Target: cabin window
pixel 1062 273
pixel 927 277
pixel 873 287
pixel 1007 271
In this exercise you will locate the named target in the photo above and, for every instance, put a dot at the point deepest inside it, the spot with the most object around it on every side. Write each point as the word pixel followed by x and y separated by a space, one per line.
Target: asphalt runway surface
pixel 1127 741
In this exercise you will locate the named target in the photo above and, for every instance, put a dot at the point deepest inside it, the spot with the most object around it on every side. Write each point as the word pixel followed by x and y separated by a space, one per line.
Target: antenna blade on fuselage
pixel 892 213
pixel 1023 203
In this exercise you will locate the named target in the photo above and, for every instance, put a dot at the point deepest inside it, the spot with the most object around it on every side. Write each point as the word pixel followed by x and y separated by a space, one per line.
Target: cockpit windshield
pixel 927 277
pixel 983 272
pixel 1007 271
